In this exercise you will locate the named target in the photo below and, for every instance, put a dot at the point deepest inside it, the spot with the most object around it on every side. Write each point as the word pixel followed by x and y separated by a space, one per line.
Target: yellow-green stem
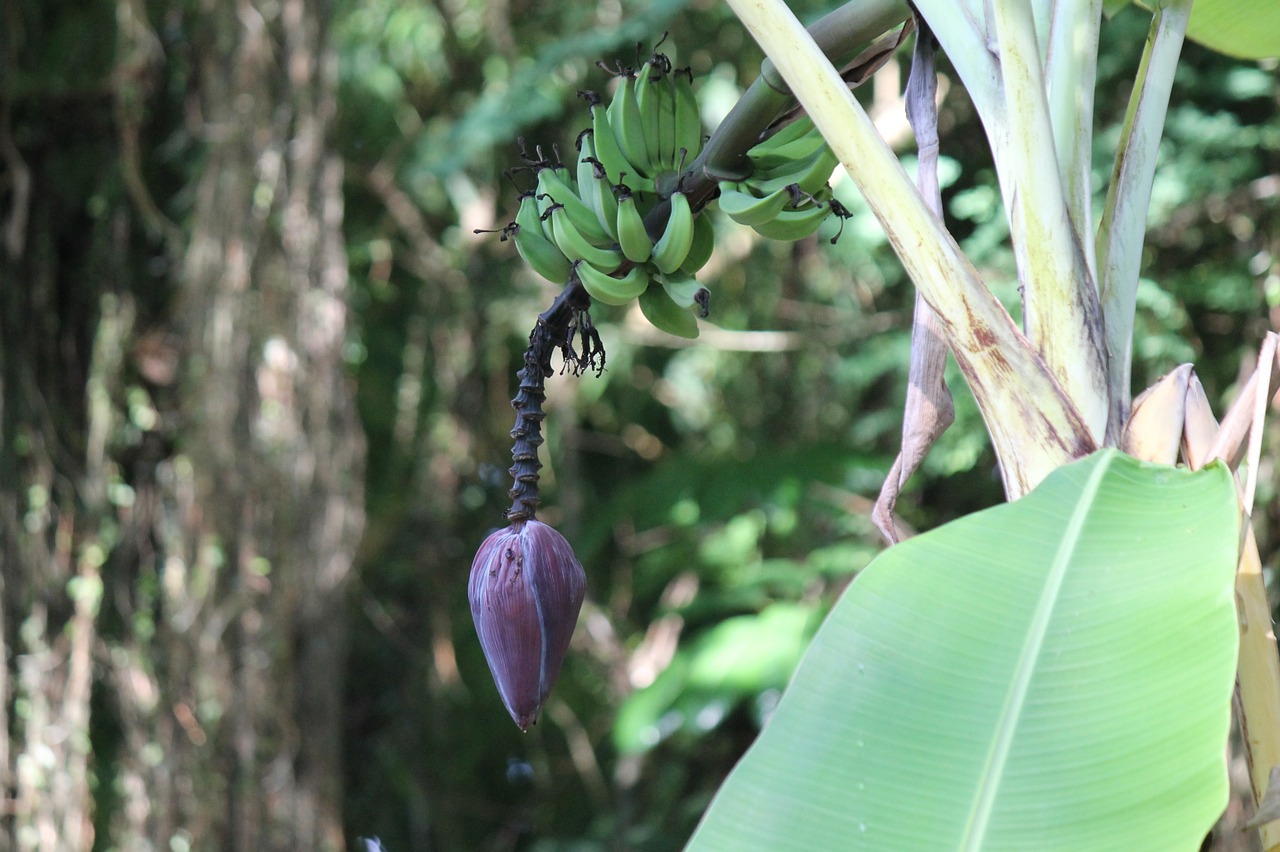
pixel 1124 218
pixel 1061 314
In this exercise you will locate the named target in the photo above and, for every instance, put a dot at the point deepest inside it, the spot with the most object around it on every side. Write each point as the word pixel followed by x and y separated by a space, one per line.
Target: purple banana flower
pixel 526 589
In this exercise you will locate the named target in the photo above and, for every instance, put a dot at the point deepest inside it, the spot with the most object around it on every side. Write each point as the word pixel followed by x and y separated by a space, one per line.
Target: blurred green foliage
pixel 716 493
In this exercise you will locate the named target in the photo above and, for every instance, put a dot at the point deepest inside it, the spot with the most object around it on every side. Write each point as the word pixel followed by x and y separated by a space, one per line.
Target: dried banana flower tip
pixel 526 590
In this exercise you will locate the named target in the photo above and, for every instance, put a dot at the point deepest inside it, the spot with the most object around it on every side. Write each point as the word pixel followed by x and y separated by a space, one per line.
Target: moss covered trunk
pixel 180 466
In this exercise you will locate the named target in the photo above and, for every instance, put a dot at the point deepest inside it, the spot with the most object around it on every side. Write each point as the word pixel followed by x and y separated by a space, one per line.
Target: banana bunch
pixel 589 221
pixel 786 196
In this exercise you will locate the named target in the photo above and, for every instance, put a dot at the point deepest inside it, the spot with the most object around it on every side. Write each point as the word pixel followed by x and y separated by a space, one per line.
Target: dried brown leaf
pixel 1154 430
pixel 1269 808
pixel 860 69
pixel 929 409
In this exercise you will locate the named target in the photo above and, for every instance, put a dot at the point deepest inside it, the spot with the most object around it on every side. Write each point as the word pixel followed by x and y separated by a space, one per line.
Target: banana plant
pixel 995 684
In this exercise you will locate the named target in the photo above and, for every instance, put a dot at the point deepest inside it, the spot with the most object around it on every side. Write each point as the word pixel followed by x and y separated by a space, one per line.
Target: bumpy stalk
pixel 527 433
pixel 557 328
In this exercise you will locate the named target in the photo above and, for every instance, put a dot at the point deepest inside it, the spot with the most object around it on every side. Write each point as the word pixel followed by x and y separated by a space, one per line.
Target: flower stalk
pixel 526 586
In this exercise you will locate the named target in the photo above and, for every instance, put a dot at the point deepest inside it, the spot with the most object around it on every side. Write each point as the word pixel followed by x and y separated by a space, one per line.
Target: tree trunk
pixel 180 463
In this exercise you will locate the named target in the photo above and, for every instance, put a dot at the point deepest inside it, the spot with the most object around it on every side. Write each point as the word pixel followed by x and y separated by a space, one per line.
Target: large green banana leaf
pixel 1054 673
pixel 1246 29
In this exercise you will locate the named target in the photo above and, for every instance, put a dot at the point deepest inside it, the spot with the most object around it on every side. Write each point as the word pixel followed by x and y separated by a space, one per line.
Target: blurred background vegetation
pixel 716 492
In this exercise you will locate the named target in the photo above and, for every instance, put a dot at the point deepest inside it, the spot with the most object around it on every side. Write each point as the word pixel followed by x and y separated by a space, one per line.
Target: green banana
pixel 673 246
pixel 688 119
pixel 668 151
pixel 649 104
pixel 811 174
pixel 802 126
pixel 554 191
pixel 632 236
pixel 742 205
pixel 665 314
pixel 611 157
pixel 593 184
pixel 542 255
pixel 628 126
pixel 704 243
pixel 682 289
pixel 575 244
pixel 796 223
pixel 609 290
pixel 784 156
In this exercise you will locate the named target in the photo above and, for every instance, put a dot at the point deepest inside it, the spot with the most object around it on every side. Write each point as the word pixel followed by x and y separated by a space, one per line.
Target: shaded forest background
pixel 255 367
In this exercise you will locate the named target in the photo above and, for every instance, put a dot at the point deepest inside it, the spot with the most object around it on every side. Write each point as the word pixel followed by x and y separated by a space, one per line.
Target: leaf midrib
pixel 988 783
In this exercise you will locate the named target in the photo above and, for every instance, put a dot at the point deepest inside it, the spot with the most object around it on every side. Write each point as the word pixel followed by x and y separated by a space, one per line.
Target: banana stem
pixel 1061 311
pixel 1124 218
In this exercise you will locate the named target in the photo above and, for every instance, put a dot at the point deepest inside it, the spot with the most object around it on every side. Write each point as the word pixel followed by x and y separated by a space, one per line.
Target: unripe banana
pixel 606 144
pixel 529 216
pixel 783 156
pixel 632 236
pixel 742 205
pixel 576 246
pixel 677 238
pixel 628 126
pixel 553 190
pixel 649 105
pixel 542 255
pixel 688 119
pixel 795 223
pixel 665 314
pixel 704 243
pixel 811 174
pixel 545 199
pixel 667 149
pixel 593 184
pixel 682 289
pixel 609 290
pixel 802 126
